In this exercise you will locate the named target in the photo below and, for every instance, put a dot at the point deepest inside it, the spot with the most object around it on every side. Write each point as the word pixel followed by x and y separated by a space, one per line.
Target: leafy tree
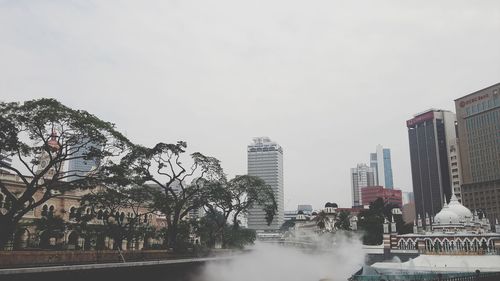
pixel 371 222
pixel 49 226
pixel 321 220
pixel 109 205
pixel 343 221
pixel 180 188
pixel 42 135
pixel 235 197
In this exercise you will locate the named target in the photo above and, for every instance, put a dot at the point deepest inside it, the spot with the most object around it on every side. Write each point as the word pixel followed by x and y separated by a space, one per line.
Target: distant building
pixel 380 161
pixel 409 215
pixel 429 134
pixel 408 197
pixel 265 160
pixel 361 176
pixel 5 160
pixel 289 215
pixel 390 196
pixel 80 166
pixel 306 209
pixel 478 122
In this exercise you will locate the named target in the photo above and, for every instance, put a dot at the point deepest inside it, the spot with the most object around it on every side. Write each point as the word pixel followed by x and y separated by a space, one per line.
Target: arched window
pixel 51 210
pixel 72 213
pixel 122 216
pixel 45 211
pixel 99 215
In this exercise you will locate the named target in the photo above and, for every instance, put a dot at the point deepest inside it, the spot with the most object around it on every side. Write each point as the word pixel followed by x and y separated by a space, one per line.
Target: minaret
pixel 386 226
pixel 419 222
pixel 415 227
pixel 393 225
pixel 497 226
pixel 427 222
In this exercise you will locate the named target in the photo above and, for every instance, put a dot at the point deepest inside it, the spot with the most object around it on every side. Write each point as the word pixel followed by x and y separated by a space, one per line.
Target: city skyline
pixel 318 79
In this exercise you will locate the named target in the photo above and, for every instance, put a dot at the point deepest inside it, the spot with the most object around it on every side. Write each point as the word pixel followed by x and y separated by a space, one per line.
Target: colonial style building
pixel 67 207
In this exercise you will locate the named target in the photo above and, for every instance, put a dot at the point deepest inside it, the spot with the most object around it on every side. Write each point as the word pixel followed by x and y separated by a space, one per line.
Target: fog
pixel 268 262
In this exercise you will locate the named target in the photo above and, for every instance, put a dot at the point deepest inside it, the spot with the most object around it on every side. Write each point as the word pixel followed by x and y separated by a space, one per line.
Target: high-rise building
pixel 380 161
pixel 478 123
pixel 5 161
pixel 429 134
pixel 361 176
pixel 80 166
pixel 265 160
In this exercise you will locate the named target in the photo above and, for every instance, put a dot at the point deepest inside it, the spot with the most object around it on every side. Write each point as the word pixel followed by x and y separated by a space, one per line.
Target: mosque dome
pixel 446 216
pixel 463 212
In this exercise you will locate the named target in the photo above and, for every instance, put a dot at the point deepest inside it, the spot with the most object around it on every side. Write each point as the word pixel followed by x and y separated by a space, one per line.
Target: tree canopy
pixel 43 135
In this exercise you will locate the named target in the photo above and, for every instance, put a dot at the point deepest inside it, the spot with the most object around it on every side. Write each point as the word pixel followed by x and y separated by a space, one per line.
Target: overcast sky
pixel 327 80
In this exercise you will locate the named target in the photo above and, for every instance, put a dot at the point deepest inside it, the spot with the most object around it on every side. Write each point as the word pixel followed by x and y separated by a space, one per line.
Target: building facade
pixel 429 134
pixel 361 176
pixel 265 160
pixel 454 230
pixel 380 162
pixel 390 196
pixel 478 123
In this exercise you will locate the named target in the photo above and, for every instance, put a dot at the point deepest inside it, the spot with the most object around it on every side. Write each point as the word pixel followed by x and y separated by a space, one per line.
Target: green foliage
pixel 343 222
pixel 108 205
pixel 371 222
pixel 42 135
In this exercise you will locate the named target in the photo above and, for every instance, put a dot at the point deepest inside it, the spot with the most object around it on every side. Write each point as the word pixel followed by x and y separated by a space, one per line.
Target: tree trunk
pixel 7 230
pixel 172 236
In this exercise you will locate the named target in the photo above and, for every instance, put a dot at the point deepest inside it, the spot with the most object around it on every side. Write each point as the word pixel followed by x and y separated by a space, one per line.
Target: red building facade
pixel 371 193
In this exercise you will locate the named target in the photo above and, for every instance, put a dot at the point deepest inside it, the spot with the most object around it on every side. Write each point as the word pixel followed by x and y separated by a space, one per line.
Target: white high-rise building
pixel 265 160
pixel 380 161
pixel 361 176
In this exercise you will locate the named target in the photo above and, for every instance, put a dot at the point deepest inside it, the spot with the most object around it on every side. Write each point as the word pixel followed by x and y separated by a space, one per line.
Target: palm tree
pixel 322 220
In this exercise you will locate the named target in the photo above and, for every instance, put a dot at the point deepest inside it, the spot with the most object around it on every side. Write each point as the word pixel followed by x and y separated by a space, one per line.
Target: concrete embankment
pixel 179 269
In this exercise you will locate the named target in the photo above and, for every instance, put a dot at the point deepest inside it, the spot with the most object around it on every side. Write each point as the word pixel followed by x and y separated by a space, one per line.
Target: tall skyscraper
pixel 429 134
pixel 478 123
pixel 265 160
pixel 361 176
pixel 80 166
pixel 380 162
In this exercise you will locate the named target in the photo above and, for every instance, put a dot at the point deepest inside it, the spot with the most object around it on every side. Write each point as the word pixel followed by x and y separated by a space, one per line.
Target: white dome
pixel 463 212
pixel 446 216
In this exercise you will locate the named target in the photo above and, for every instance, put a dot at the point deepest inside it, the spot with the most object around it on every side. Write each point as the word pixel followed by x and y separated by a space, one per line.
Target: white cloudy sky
pixel 328 80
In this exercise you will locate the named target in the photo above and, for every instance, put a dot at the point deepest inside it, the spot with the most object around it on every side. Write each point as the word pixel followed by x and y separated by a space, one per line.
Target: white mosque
pixel 454 230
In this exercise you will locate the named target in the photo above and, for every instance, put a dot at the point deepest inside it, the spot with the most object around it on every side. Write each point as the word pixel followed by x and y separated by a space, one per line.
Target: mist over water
pixel 269 262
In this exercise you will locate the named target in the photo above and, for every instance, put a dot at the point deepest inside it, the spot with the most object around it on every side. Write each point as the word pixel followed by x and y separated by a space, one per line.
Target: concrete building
pixel 390 196
pixel 265 160
pixel 361 176
pixel 429 136
pixel 478 123
pixel 380 161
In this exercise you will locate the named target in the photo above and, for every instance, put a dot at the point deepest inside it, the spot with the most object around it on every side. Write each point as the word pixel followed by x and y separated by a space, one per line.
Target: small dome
pixel 463 212
pixel 333 205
